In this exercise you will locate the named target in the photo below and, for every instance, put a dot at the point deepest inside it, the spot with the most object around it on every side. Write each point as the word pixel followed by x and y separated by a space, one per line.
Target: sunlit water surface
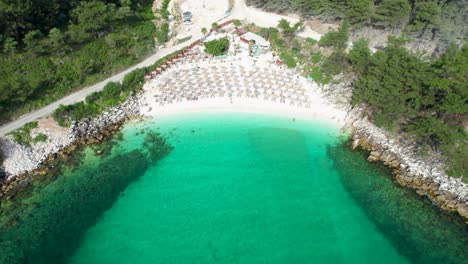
pixel 236 188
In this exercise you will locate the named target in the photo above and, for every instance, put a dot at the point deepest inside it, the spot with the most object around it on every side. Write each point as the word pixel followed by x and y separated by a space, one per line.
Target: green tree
pixel 305 7
pixel 392 84
pixel 338 38
pixel 392 13
pixel 204 31
pixel 10 45
pixel 56 39
pixel 162 33
pixel 126 3
pixel 288 59
pixel 358 12
pixel 427 13
pixel 91 19
pixel 432 131
pixel 335 63
pixel 287 29
pixel 332 9
pixel 164 11
pixel 449 89
pixel 359 55
pixel 33 42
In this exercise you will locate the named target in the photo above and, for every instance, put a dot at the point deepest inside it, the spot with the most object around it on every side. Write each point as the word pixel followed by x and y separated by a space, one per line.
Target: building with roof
pixel 256 39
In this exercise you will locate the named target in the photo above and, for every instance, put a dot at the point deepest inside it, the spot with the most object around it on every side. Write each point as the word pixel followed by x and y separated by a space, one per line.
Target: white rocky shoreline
pixel 427 178
pixel 19 159
pixel 410 169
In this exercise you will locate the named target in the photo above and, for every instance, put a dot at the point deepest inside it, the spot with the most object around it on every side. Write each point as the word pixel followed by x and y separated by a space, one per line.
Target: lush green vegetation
pixel 302 54
pixel 51 48
pixel 237 22
pixel 164 11
pixel 336 38
pixel 426 99
pixel 288 59
pixel 23 135
pixel 162 31
pixel 217 47
pixel 184 39
pixel 287 29
pixel 112 95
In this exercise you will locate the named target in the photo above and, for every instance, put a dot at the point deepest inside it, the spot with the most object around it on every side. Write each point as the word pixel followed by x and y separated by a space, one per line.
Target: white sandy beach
pixel 320 111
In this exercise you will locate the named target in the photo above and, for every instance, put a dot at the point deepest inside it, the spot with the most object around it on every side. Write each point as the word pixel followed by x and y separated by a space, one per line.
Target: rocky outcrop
pixel 83 132
pixel 19 159
pixel 378 39
pixel 93 130
pixel 425 176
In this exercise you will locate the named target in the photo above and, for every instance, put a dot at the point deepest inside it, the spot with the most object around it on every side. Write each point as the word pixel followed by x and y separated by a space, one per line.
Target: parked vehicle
pixel 187 15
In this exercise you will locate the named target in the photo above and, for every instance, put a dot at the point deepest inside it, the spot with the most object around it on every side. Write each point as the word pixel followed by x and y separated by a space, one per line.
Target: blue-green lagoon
pixel 226 188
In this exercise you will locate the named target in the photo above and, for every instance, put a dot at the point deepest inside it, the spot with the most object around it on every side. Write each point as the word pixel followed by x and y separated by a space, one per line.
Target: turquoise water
pixel 227 188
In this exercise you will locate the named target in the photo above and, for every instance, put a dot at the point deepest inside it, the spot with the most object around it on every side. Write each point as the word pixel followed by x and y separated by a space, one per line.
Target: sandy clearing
pixel 204 12
pixel 265 19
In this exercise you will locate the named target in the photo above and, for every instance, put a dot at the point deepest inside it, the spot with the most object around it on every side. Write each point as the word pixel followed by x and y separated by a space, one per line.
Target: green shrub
pixel 217 47
pixel 359 55
pixel 162 34
pixel 288 60
pixel 335 63
pixel 316 57
pixel 182 40
pixel 311 41
pixel 23 135
pixel 40 138
pixel 164 11
pixel 318 76
pixel 287 29
pixel 266 33
pixel 337 39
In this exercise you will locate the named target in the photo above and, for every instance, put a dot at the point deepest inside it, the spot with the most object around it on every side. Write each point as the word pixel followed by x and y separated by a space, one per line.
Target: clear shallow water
pixel 236 188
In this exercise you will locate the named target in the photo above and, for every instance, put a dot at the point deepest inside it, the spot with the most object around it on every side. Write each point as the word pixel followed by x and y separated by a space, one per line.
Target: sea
pixel 224 188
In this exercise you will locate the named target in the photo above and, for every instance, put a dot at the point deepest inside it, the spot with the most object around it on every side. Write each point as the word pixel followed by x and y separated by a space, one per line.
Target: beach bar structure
pixel 150 75
pixel 258 40
pixel 256 44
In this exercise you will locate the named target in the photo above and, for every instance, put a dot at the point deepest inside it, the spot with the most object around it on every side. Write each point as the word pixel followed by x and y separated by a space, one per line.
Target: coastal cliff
pixel 23 162
pixel 425 176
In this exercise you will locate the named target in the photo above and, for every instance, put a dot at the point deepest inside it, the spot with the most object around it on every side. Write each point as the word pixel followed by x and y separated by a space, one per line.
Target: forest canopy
pixel 426 99
pixel 51 48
